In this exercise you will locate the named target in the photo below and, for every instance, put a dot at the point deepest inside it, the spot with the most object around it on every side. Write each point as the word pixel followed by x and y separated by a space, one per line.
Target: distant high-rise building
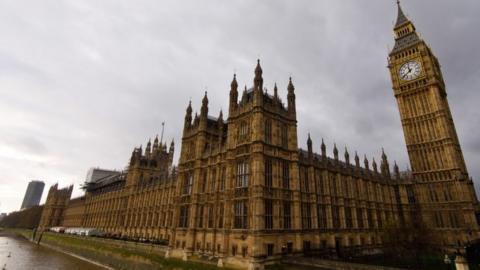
pixel 95 174
pixel 33 194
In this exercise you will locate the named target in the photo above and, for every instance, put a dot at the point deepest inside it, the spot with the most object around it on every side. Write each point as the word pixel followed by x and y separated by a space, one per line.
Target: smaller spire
pixel 309 144
pixel 258 68
pixel 234 83
pixel 172 146
pixel 205 99
pixel 275 91
pixel 290 86
pixel 244 94
pixel 374 165
pixel 383 154
pixel 347 156
pixel 335 151
pixel 365 162
pixel 220 115
pixel 396 170
pixel 258 80
pixel 324 149
pixel 310 148
pixel 401 18
pixel 155 143
pixel 196 119
pixel 233 93
pixel 220 120
pixel 204 109
pixel 357 160
pixel 189 107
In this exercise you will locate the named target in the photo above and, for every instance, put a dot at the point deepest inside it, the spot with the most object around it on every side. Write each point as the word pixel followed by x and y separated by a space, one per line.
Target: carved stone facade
pixel 74 214
pixel 246 194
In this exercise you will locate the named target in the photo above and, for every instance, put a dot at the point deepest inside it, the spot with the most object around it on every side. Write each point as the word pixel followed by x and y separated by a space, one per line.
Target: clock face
pixel 410 70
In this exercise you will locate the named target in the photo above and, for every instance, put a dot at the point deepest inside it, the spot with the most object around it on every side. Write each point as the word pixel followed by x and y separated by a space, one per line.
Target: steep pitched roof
pixel 401 18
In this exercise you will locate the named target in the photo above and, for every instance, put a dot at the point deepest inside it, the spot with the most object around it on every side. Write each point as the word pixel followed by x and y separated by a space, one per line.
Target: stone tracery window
pixel 268 173
pixel 243 132
pixel 243 173
pixel 268 214
pixel 183 221
pixel 241 214
pixel 268 131
pixel 187 184
pixel 285 175
pixel 287 219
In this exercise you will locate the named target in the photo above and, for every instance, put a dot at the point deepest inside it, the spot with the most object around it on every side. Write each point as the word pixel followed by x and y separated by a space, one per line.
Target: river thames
pixel 19 254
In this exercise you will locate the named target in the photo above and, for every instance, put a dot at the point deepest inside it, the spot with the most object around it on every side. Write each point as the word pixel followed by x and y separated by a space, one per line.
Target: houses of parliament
pixel 243 191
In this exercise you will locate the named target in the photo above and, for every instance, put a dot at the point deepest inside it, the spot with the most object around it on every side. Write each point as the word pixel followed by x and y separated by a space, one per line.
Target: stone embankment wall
pixel 117 254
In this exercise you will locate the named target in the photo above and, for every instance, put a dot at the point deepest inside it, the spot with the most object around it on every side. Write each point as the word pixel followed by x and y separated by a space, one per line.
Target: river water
pixel 25 255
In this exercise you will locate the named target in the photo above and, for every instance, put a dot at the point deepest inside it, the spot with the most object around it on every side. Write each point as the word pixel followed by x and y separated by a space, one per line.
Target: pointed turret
pixel 347 156
pixel 172 147
pixel 258 85
pixel 233 93
pixel 357 160
pixel 196 120
pixel 396 171
pixel 365 162
pixel 133 158
pixel 374 165
pixel 155 144
pixel 291 97
pixel 148 149
pixel 384 166
pixel 244 95
pixel 171 152
pixel 275 92
pixel 188 115
pixel 335 152
pixel 310 146
pixel 220 128
pixel 258 80
pixel 324 149
pixel 220 120
pixel 204 109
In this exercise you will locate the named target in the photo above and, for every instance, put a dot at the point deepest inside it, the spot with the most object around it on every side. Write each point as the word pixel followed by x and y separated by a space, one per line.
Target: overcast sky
pixel 83 82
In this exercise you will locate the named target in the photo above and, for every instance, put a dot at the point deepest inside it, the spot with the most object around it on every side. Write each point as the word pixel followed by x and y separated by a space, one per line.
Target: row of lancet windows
pixel 406 53
pixel 283 131
pixel 285 173
pixel 447 219
pixel 403 32
pixel 417 104
pixel 214 214
pixel 307 218
pixel 213 185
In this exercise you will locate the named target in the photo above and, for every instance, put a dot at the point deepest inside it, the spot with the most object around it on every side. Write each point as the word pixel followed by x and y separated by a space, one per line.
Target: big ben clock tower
pixel 445 195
